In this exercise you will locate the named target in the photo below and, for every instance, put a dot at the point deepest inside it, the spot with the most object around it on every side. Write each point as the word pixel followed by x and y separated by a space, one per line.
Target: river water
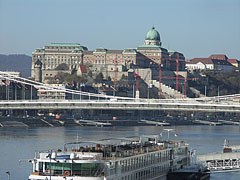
pixel 18 145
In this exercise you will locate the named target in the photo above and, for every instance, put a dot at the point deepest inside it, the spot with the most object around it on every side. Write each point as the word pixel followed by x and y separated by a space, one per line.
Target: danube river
pixel 19 145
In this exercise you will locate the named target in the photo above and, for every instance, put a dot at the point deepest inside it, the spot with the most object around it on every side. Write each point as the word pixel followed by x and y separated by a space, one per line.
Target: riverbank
pixel 72 122
pixel 42 121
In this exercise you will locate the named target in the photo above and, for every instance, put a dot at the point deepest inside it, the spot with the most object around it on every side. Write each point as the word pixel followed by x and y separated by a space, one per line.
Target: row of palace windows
pixel 78 57
pixel 103 62
pixel 60 47
pixel 63 57
pixel 114 57
pixel 55 56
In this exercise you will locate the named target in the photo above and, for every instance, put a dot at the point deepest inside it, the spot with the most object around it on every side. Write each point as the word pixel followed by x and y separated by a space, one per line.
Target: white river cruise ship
pixel 132 158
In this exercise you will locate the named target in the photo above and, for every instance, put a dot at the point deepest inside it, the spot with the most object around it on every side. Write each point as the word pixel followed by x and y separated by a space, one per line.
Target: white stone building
pixel 210 64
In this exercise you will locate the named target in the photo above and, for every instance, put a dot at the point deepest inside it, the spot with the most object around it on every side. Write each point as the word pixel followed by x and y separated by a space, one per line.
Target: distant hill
pixel 16 62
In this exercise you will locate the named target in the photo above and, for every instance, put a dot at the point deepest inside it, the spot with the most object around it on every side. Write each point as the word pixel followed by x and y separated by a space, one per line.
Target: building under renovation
pixel 150 61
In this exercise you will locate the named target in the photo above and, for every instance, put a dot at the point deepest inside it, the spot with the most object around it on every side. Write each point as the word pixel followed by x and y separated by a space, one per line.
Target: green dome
pixel 152 35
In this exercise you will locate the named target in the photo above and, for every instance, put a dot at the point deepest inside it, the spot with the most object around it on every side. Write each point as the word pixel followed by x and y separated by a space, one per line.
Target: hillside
pixel 16 62
pixel 222 83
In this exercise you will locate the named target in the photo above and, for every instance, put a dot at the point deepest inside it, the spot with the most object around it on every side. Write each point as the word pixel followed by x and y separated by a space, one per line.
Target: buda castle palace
pixel 146 58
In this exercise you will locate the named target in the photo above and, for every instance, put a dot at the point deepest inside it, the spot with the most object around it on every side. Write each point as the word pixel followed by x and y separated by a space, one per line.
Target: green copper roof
pixel 64 44
pixel 153 35
pixel 76 50
pixel 150 46
pixel 101 49
pixel 129 50
pixel 67 45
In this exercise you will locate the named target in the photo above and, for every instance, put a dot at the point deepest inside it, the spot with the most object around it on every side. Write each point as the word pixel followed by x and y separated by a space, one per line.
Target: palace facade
pixel 74 55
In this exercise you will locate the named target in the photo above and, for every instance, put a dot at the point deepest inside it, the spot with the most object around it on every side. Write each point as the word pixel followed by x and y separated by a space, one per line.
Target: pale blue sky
pixel 196 28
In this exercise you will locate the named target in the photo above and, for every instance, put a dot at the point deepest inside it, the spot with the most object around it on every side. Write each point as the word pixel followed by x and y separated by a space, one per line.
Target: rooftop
pixel 233 61
pixel 64 44
pixel 150 46
pixel 218 56
pixel 208 61
pixel 114 147
pixel 153 35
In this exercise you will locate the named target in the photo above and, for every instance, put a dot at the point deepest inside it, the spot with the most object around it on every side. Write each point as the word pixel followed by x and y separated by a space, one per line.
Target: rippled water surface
pixel 19 145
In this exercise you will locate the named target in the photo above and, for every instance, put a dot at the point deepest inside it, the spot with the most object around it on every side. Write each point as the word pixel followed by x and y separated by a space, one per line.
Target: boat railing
pixel 132 152
pixel 116 152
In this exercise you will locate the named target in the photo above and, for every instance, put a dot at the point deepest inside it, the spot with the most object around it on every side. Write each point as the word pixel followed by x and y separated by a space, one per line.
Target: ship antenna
pixel 226 142
pixel 77 141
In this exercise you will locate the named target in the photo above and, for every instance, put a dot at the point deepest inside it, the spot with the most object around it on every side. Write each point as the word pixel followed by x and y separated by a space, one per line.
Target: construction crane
pixel 160 72
pixel 137 79
pixel 115 72
pixel 160 79
pixel 136 74
pixel 177 69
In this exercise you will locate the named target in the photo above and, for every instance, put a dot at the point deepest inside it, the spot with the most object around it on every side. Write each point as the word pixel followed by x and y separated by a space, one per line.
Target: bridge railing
pixel 94 97
pixel 112 101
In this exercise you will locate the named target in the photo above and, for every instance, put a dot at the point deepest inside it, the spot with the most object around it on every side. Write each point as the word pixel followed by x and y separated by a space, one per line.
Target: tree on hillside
pixel 62 66
pixel 90 74
pixel 222 83
pixel 74 71
pixel 61 77
pixel 99 78
pixel 109 78
pixel 75 78
pixel 124 77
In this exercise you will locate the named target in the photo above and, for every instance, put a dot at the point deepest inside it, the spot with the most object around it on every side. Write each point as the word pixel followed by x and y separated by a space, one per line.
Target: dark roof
pixel 87 52
pixel 104 89
pixel 221 62
pixel 38 62
pixel 115 51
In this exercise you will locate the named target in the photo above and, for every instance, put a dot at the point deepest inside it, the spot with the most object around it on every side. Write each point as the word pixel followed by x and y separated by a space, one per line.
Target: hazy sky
pixel 196 28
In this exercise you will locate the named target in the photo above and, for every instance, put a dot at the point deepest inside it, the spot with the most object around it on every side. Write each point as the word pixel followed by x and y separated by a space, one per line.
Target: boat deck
pixel 109 151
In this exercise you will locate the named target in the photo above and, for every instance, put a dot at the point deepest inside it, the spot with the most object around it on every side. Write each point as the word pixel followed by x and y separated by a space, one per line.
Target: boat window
pixel 40 166
pixel 67 167
pixel 75 169
pixel 151 139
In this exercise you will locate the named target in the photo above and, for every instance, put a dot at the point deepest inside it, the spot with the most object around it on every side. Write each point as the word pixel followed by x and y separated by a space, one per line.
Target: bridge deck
pixel 176 105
